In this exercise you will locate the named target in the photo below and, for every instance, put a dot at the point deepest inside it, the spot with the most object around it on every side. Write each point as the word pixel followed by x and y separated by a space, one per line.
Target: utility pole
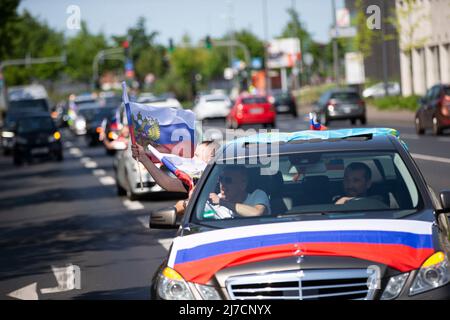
pixel 335 44
pixel 384 47
pixel 266 47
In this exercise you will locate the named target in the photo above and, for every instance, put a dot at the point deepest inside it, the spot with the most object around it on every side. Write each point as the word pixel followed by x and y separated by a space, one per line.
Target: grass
pixel 396 103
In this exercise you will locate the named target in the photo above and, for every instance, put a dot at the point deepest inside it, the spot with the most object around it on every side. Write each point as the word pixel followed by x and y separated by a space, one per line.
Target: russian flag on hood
pixel 400 244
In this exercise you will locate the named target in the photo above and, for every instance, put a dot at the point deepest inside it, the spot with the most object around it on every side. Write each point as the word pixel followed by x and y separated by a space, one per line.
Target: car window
pixel 29 105
pixel 315 183
pixel 254 100
pixel 435 93
pixel 345 96
pixel 35 124
pixel 446 91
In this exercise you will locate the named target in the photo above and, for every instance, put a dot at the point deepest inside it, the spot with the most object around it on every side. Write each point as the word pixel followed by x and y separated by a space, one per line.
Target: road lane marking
pixel 26 293
pixel 75 152
pixel 145 221
pixel 409 136
pixel 107 181
pixel 68 144
pixel 166 243
pixel 430 158
pixel 99 172
pixel 91 164
pixel 68 278
pixel 133 205
pixel 85 159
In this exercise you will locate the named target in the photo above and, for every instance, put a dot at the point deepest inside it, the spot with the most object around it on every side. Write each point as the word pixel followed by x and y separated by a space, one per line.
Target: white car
pixel 377 90
pixel 212 106
pixel 128 174
pixel 160 102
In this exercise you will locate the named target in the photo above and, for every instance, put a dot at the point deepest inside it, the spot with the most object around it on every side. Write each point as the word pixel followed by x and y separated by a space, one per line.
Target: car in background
pixel 392 242
pixel 165 100
pixel 250 110
pixel 378 90
pixel 128 174
pixel 9 128
pixel 284 102
pixel 98 123
pixel 212 107
pixel 36 136
pixel 83 114
pixel 341 104
pixel 434 110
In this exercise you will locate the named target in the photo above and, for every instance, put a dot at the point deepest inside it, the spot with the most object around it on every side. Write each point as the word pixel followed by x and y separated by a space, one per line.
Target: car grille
pixel 348 284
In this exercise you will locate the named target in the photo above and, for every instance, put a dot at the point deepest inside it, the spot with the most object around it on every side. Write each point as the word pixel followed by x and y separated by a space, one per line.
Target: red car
pixel 252 109
pixel 434 111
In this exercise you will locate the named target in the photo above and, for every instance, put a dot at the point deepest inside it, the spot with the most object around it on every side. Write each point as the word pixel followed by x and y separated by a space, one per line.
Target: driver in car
pixel 357 181
pixel 234 196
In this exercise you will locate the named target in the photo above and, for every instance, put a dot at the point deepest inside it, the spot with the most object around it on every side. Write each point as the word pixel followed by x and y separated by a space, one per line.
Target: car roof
pixel 380 139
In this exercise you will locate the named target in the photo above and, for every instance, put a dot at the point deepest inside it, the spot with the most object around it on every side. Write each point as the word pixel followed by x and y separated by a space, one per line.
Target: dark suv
pixel 434 110
pixel 341 214
pixel 341 104
pixel 36 136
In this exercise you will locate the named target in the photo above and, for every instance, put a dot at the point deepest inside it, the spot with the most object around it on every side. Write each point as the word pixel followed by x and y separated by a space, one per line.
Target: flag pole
pixel 126 102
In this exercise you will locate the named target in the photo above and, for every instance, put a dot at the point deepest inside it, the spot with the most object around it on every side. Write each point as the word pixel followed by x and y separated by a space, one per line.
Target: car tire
pixel 6 152
pixel 120 190
pixel 437 130
pixel 419 128
pixel 353 122
pixel 60 157
pixel 363 121
pixel 17 161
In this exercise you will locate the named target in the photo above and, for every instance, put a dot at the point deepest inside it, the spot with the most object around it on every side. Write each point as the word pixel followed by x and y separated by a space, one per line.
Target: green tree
pixel 81 51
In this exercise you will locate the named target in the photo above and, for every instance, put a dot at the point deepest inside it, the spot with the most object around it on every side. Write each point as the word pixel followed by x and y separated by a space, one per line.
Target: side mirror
pixel 445 200
pixel 164 219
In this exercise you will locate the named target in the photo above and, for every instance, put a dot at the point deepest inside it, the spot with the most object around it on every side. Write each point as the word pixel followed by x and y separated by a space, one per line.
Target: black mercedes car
pixel 341 214
pixel 36 136
pixel 284 102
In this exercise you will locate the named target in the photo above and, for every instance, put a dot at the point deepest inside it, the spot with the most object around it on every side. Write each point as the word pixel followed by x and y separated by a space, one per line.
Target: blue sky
pixel 173 18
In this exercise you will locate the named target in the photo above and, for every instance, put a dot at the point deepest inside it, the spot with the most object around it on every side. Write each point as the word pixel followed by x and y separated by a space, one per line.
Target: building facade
pixel 424 44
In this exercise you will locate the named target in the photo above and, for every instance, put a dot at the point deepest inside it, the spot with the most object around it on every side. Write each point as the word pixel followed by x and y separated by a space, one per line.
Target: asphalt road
pixel 57 215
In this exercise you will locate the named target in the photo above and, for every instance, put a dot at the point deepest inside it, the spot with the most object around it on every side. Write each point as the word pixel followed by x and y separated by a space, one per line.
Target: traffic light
pixel 171 46
pixel 126 47
pixel 208 43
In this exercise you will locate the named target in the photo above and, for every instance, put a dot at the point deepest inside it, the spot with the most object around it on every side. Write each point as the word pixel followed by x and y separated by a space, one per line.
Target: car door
pixel 435 99
pixel 427 109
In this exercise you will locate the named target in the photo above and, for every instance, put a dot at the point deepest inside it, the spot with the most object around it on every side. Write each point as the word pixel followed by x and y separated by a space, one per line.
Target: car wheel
pixel 363 121
pixel 60 157
pixel 17 161
pixel 6 152
pixel 120 190
pixel 353 121
pixel 436 128
pixel 419 129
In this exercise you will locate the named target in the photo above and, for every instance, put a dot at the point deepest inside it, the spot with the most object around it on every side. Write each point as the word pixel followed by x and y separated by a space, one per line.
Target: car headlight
pixel 208 292
pixel 80 124
pixel 434 273
pixel 7 134
pixel 171 286
pixel 394 286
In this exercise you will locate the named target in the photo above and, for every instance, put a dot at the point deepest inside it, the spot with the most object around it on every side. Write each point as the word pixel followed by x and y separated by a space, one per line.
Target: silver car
pixel 127 177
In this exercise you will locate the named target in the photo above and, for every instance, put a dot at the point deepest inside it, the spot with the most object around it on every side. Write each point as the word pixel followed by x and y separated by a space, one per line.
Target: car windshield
pixel 345 96
pixel 447 91
pixel 28 105
pixel 88 111
pixel 254 100
pixel 309 186
pixel 103 113
pixel 35 124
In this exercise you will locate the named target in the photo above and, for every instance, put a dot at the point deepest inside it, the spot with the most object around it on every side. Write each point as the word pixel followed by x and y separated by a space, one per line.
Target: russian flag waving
pixel 171 129
pixel 315 124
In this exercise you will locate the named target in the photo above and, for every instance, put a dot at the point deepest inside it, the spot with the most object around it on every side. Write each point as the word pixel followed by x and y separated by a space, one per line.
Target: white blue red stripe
pixel 403 245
